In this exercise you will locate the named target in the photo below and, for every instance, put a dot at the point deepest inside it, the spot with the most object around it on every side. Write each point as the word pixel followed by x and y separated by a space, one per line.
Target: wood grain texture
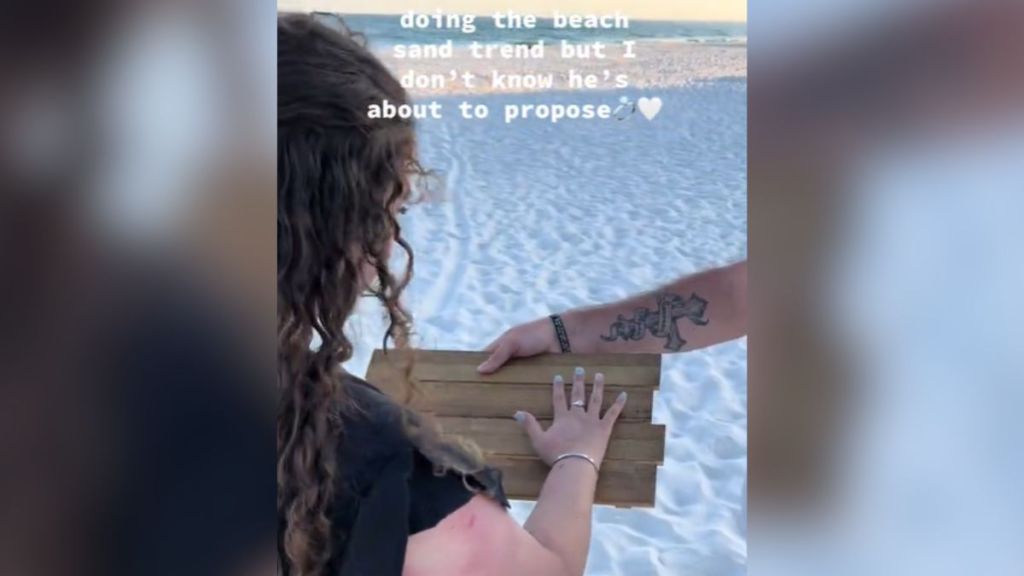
pixel 633 441
pixel 503 400
pixel 480 408
pixel 622 483
pixel 629 370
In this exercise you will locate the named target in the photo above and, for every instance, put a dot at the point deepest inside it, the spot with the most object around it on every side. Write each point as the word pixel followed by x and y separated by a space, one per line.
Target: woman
pixel 365 486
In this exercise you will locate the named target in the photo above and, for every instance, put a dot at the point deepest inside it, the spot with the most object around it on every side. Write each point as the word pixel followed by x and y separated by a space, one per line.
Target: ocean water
pixel 387 30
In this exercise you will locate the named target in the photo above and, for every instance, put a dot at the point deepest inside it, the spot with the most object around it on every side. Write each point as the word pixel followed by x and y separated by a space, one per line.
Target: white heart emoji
pixel 649 107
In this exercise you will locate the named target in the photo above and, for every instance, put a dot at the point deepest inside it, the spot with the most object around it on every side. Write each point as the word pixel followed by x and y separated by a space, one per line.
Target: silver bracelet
pixel 577 455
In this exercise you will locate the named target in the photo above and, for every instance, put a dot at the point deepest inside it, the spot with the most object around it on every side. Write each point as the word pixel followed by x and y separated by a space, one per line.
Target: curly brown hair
pixel 341 179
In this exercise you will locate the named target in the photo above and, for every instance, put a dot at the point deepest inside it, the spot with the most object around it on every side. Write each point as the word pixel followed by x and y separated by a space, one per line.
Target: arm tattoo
pixel 661 323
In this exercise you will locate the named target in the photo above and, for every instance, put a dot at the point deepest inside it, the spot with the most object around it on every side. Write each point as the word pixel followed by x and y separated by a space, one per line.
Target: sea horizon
pixel 384 30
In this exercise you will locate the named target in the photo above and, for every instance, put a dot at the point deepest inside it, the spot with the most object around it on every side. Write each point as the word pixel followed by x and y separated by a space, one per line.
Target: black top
pixel 388 489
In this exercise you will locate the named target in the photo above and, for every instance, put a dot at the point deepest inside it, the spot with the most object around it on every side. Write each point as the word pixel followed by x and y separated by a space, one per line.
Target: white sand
pixel 540 218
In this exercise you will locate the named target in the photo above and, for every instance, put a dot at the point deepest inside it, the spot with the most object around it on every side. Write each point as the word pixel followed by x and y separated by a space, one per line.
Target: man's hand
pixel 530 339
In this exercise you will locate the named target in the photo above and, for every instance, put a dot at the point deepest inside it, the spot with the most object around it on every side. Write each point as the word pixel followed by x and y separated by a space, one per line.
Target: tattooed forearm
pixel 662 322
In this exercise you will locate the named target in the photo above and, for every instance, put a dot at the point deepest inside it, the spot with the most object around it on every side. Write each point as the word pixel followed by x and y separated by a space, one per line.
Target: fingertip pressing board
pixel 480 407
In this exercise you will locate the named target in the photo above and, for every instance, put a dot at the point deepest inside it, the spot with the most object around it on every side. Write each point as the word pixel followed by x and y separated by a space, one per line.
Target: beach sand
pixel 538 218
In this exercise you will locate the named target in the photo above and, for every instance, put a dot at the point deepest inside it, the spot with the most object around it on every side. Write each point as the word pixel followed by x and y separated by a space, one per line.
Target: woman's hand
pixel 578 425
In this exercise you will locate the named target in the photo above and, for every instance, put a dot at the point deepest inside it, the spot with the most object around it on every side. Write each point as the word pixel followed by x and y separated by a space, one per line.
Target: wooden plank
pixel 632 370
pixel 457 357
pixel 622 483
pixel 644 431
pixel 503 400
pixel 480 408
pixel 634 441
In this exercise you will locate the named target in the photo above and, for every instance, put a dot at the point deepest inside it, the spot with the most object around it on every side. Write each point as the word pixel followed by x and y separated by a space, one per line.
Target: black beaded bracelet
pixel 563 338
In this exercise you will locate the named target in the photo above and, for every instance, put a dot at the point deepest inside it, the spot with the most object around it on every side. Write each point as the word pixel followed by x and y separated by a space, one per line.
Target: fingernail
pixel 519 417
pixel 480 367
pixel 579 371
pixel 622 397
pixel 558 379
pixel 599 375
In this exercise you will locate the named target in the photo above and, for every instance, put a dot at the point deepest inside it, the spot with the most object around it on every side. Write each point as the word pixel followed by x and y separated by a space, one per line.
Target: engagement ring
pixel 578 403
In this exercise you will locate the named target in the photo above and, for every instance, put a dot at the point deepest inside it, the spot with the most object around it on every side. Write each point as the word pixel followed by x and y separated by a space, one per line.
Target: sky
pixel 701 10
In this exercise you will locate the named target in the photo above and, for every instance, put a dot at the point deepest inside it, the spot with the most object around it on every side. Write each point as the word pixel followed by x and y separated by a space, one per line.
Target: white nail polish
pixel 558 379
pixel 519 417
pixel 622 397
pixel 579 371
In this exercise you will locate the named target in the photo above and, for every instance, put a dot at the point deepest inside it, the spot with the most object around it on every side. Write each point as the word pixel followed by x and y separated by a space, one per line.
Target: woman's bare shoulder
pixel 478 539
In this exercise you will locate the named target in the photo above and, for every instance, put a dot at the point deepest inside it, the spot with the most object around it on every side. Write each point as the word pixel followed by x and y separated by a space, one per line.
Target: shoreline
pixel 378 46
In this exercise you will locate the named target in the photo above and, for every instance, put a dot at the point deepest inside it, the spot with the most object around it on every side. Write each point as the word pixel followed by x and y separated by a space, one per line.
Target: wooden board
pixel 623 483
pixel 633 370
pixel 502 400
pixel 480 408
pixel 634 441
